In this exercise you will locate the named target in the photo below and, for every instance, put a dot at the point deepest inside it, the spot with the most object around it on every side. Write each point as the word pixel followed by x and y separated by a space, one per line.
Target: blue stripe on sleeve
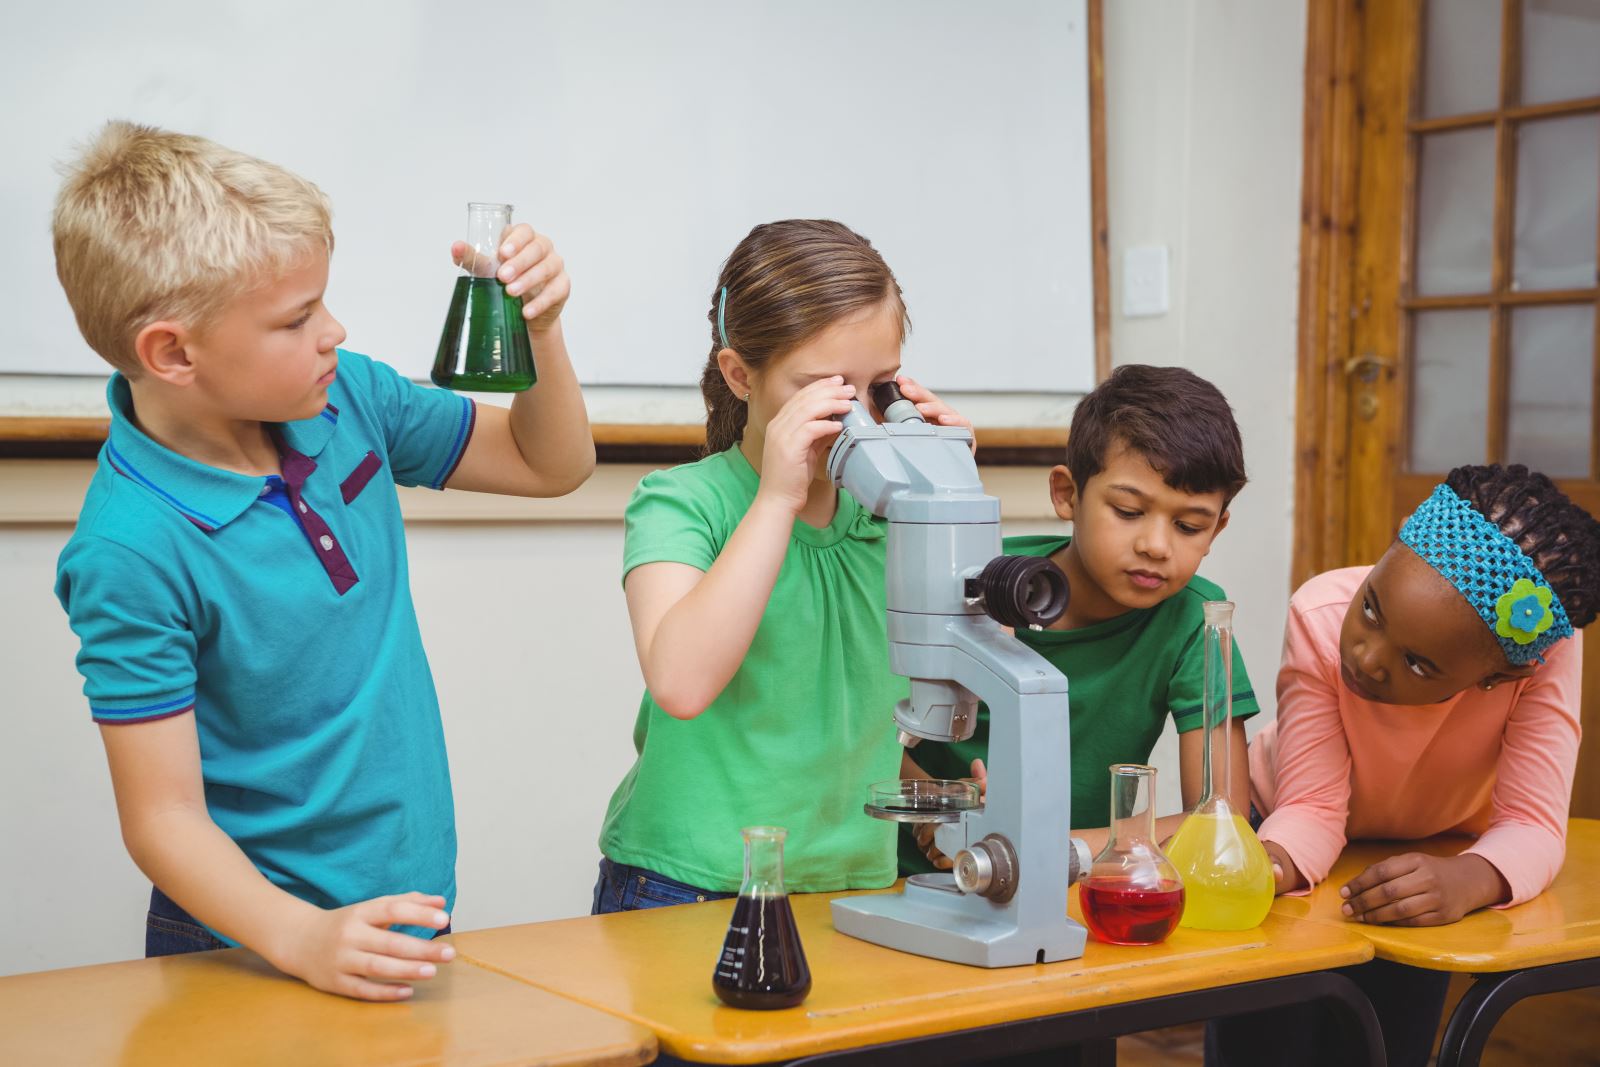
pixel 463 425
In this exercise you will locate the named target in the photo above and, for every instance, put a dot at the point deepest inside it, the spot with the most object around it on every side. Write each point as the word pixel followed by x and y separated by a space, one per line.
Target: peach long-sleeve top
pixel 1497 764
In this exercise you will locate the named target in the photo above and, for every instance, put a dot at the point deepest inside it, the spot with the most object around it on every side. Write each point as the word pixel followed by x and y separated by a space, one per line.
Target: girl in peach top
pixel 1435 692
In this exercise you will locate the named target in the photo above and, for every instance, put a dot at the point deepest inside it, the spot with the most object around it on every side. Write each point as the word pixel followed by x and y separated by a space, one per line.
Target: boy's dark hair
pixel 1179 422
pixel 1561 538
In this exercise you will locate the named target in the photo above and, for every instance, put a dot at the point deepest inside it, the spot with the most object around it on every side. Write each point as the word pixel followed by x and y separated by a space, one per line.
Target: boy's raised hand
pixel 1415 889
pixel 351 951
pixel 529 268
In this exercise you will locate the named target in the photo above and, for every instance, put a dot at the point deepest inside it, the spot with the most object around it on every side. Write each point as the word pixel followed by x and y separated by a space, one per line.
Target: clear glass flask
pixel 1225 871
pixel 1132 895
pixel 762 965
pixel 484 345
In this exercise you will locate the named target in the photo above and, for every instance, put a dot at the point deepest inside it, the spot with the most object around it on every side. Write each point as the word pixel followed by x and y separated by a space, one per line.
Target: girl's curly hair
pixel 1561 538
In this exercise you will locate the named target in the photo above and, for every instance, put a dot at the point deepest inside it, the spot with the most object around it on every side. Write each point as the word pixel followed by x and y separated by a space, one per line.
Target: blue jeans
pixel 624 888
pixel 171 931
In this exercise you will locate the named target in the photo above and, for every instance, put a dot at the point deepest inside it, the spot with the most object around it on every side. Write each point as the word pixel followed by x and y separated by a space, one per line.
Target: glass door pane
pixel 1449 389
pixel 1461 64
pixel 1560 50
pixel 1552 389
pixel 1455 212
pixel 1558 202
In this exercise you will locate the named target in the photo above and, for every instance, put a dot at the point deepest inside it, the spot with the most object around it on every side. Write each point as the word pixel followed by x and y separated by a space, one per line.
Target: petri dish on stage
pixel 921 799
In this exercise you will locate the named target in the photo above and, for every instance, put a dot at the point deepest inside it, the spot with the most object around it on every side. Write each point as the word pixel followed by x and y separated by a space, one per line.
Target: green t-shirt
pixel 1124 676
pixel 803 727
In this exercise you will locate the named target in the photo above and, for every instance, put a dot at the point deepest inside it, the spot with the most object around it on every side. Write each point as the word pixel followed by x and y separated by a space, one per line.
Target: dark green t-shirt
pixel 1125 675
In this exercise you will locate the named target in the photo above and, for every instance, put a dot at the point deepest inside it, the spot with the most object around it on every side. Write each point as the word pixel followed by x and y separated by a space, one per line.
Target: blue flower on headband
pixel 1523 612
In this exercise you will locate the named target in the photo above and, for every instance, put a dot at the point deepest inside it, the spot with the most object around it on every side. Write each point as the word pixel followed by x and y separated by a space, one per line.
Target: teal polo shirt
pixel 289 633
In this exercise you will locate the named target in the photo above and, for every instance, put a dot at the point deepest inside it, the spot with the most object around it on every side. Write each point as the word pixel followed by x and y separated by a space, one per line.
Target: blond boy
pixel 237 578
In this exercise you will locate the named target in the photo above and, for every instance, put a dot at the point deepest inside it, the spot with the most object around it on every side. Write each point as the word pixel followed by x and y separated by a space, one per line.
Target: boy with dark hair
pixel 1153 461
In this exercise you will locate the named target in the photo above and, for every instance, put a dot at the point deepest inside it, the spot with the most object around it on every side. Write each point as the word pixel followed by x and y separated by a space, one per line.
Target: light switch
pixel 1144 281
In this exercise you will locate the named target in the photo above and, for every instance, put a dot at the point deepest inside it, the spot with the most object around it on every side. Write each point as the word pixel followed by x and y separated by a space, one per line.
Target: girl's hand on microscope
pixel 932 408
pixel 790 455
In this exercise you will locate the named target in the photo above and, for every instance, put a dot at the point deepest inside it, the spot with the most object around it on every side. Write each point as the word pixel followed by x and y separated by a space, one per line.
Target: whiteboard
pixel 646 138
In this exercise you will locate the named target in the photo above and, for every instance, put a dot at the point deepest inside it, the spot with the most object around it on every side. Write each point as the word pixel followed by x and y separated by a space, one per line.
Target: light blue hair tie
pixel 1491 571
pixel 722 311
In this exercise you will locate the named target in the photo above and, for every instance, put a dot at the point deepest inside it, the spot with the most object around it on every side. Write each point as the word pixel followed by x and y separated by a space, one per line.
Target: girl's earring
pixel 1487 686
pixel 747 398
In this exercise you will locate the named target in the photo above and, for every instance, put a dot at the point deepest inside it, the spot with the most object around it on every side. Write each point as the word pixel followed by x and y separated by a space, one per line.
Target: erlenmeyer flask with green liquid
pixel 484 346
pixel 1227 877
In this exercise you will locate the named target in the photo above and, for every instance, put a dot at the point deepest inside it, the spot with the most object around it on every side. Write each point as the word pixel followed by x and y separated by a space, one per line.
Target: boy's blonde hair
pixel 153 225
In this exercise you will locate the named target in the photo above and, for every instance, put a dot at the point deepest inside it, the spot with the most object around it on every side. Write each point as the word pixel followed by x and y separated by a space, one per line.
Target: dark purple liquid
pixel 762 965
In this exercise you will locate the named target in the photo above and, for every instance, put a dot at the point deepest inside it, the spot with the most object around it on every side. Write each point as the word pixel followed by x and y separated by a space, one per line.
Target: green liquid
pixel 484 346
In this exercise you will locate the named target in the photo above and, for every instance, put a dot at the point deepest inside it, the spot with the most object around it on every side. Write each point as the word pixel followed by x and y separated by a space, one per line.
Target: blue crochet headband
pixel 1491 571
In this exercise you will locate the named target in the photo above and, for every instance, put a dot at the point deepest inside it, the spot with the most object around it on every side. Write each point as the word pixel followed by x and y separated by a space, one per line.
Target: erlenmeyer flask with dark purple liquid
pixel 762 965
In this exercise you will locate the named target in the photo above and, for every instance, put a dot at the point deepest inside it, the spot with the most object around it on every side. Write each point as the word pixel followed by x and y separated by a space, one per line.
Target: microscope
pixel 949 593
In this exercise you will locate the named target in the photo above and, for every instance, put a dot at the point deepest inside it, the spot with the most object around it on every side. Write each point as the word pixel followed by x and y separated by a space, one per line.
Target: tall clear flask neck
pixel 763 861
pixel 1132 804
pixel 486 227
pixel 1217 707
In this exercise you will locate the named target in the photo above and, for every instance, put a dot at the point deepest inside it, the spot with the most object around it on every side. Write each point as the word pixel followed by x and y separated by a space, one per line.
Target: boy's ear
pixel 1222 524
pixel 1065 493
pixel 735 372
pixel 160 348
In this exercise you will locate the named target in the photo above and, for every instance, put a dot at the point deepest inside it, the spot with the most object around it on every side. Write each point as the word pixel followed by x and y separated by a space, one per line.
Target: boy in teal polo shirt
pixel 1153 460
pixel 237 578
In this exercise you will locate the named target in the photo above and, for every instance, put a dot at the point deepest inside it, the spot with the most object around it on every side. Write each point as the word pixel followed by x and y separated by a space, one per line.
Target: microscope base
pixel 947 925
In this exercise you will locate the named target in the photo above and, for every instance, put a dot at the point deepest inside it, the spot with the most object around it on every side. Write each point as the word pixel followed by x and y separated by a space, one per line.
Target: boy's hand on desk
pixel 351 951
pixel 1419 890
pixel 529 268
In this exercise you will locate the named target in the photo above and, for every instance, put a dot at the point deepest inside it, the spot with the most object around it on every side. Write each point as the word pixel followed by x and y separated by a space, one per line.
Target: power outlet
pixel 1144 281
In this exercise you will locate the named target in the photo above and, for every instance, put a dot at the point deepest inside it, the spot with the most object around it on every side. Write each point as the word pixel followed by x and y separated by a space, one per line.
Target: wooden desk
pixel 1547 945
pixel 231 1007
pixel 879 1006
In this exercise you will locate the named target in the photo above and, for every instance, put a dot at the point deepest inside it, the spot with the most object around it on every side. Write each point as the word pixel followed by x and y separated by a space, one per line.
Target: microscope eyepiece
pixel 888 398
pixel 1021 590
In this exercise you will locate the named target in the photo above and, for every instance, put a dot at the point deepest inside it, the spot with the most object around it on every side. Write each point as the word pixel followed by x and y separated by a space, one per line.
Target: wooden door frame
pixel 1328 198
pixel 1345 477
pixel 1355 52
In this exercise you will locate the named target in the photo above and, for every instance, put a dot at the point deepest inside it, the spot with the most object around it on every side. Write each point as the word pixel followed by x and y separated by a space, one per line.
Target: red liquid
pixel 1120 914
pixel 762 965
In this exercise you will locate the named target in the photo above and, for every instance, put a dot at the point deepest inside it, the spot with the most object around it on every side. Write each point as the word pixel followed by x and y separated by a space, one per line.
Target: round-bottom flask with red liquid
pixel 1133 895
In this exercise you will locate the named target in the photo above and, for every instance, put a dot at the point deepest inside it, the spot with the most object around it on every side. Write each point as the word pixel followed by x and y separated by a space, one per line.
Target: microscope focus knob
pixel 988 869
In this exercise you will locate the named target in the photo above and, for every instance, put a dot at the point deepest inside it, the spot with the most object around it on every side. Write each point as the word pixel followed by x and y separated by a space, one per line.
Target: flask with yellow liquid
pixel 1226 874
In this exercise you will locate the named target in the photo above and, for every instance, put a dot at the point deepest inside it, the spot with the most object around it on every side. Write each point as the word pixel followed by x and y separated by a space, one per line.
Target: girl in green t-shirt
pixel 756 592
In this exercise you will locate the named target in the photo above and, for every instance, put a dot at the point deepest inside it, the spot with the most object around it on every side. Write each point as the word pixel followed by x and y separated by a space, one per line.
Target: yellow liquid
pixel 1227 877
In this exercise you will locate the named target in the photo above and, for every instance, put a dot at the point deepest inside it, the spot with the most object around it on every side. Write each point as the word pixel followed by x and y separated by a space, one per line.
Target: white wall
pixel 1203 136
pixel 1203 155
